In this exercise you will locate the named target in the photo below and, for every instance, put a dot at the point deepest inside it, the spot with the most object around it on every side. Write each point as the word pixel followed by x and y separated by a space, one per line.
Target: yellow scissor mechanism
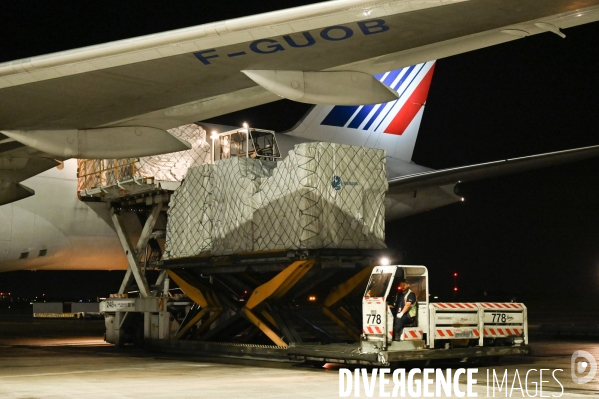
pixel 204 297
pixel 332 307
pixel 255 310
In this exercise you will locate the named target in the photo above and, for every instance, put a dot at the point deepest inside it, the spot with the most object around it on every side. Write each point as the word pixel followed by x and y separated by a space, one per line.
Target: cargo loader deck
pixel 258 259
pixel 303 306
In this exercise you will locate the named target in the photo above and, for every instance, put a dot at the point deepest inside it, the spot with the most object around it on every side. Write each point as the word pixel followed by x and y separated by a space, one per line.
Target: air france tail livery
pixel 391 126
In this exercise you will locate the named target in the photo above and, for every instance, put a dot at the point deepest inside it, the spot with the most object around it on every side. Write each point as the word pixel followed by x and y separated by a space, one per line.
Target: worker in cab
pixel 405 303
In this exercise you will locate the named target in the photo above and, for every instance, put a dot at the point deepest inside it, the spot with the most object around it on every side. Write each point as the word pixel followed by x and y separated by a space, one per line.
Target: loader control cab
pixel 377 317
pixel 245 142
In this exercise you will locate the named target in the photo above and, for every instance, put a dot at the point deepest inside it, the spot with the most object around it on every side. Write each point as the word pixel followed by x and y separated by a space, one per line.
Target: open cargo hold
pixel 112 177
pixel 322 195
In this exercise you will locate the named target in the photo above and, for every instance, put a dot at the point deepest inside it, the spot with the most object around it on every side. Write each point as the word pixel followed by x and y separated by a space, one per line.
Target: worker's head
pixel 403 284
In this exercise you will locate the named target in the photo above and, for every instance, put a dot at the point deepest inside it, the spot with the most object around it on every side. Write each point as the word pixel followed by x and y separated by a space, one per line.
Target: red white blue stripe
pixel 411 83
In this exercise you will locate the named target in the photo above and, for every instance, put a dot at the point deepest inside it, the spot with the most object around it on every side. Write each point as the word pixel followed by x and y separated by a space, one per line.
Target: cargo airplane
pixel 364 64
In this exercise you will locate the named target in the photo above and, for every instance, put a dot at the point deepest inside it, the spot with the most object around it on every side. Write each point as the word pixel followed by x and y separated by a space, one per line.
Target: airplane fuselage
pixel 53 229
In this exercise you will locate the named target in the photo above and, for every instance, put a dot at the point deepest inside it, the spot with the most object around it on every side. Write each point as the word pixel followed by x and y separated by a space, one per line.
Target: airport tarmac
pixel 68 359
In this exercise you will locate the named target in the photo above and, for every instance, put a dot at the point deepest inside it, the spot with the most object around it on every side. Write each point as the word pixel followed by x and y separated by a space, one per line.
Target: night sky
pixel 531 234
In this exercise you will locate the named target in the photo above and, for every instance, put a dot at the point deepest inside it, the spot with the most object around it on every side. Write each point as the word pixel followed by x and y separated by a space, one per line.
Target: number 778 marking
pixel 499 317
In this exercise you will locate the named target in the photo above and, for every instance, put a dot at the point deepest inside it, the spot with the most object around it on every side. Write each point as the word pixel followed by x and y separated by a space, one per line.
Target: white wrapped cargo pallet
pixel 322 195
pixel 189 230
pixel 236 180
pixel 212 211
pixel 174 166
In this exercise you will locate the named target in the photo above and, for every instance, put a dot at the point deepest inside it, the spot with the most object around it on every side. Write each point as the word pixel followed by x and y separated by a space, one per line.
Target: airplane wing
pixel 118 99
pixel 174 78
pixel 487 170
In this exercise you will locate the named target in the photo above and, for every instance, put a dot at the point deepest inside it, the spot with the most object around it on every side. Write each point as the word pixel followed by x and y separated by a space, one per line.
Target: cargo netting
pixel 322 195
pixel 172 167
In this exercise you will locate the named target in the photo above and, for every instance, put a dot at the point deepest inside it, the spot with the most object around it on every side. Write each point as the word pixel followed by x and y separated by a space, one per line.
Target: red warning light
pixel 455 288
pixel 455 275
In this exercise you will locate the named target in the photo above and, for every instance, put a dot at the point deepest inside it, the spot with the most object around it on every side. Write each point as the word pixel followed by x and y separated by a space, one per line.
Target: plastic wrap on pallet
pixel 174 166
pixel 189 229
pixel 322 195
pixel 212 211
pixel 237 180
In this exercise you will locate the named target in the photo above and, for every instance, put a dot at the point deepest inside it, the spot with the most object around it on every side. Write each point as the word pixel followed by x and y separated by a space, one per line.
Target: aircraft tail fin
pixel 391 126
